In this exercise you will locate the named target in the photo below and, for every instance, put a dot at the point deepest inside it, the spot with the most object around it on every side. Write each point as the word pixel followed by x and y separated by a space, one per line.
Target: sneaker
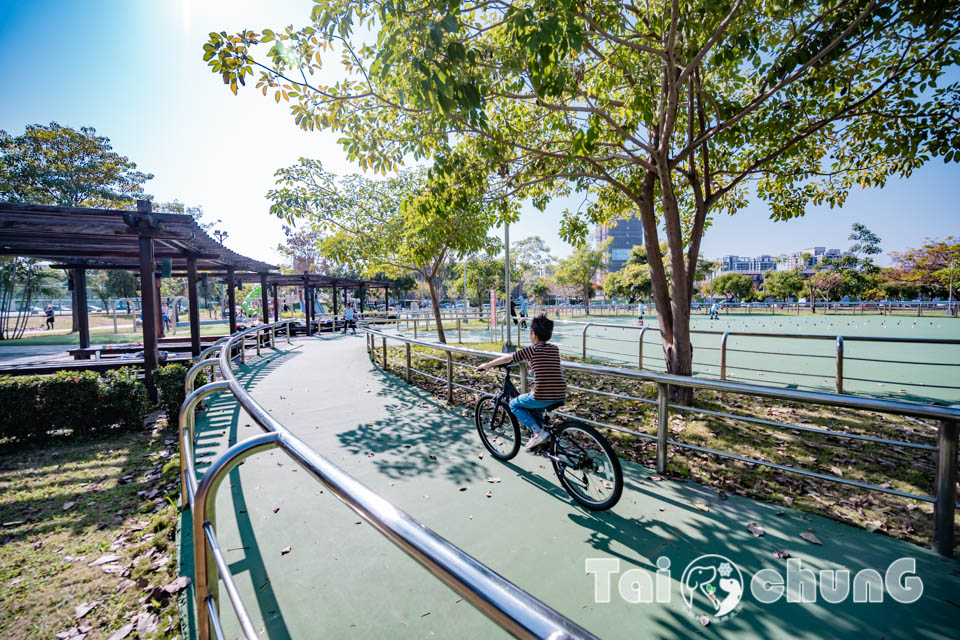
pixel 537 440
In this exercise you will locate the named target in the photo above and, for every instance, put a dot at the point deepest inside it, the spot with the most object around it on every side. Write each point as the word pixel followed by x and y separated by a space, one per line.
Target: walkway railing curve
pixel 947 431
pixel 513 609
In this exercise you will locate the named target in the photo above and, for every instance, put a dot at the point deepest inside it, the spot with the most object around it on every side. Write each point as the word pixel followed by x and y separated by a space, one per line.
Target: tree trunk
pixel 678 353
pixel 586 298
pixel 435 301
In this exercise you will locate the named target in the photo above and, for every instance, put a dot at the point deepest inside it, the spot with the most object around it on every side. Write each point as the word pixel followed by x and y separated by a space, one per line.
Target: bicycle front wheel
pixel 587 466
pixel 498 428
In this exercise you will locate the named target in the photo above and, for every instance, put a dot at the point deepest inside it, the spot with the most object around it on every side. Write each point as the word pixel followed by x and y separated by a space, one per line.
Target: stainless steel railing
pixel 947 432
pixel 513 609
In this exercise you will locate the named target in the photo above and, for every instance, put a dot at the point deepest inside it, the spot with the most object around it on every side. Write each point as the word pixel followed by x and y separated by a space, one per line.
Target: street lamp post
pixel 221 236
pixel 508 345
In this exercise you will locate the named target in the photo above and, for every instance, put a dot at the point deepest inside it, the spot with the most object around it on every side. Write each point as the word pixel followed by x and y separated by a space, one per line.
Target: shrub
pixel 170 380
pixel 20 415
pixel 123 399
pixel 69 400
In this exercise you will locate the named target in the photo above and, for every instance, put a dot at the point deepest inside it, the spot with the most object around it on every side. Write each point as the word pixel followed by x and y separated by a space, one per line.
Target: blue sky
pixel 133 70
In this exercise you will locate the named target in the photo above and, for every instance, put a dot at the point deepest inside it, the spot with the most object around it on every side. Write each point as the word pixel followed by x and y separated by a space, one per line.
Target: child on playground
pixel 641 309
pixel 549 386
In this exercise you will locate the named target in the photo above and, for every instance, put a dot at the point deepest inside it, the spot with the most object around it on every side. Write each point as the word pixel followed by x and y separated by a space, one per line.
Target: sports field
pixel 801 353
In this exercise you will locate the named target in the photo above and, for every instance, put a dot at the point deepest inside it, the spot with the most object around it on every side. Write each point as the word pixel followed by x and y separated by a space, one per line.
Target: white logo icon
pixel 712 585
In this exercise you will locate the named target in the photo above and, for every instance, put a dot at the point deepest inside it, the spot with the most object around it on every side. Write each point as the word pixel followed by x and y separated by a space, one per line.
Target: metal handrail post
pixel 385 368
pixel 839 380
pixel 243 349
pixel 204 522
pixel 194 371
pixel 259 337
pixel 944 509
pixel 459 332
pixel 414 327
pixel 584 339
pixel 640 348
pixel 723 355
pixel 187 436
pixel 407 370
pixel 289 331
pixel 663 415
pixel 524 378
pixel 449 377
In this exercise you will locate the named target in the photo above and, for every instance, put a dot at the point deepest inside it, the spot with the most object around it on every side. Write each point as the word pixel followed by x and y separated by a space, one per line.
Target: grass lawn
pixel 105 337
pixel 87 537
pixel 905 469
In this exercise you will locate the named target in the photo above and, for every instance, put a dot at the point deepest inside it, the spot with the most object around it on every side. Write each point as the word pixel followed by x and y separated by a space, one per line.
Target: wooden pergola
pixel 78 239
pixel 310 283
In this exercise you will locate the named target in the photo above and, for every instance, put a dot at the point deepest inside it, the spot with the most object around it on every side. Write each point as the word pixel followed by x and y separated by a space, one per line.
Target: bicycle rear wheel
pixel 586 465
pixel 498 427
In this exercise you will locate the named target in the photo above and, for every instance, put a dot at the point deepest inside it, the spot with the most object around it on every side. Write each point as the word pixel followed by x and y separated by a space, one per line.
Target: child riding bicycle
pixel 549 385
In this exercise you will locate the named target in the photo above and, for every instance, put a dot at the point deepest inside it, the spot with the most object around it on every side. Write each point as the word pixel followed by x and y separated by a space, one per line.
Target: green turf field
pixel 791 357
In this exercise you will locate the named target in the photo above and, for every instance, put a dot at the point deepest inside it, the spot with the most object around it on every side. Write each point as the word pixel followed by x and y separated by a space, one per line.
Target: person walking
pixel 349 319
pixel 51 316
pixel 714 311
pixel 523 312
pixel 165 315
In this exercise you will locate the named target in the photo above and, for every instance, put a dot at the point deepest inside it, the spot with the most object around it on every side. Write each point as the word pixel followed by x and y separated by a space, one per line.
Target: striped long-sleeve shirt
pixel 544 359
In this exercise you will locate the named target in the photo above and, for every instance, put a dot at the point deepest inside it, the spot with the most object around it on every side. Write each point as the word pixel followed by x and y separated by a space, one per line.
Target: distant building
pixel 740 263
pixel 626 235
pixel 815 255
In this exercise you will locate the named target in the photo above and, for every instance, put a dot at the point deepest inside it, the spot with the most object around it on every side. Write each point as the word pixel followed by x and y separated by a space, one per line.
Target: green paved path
pixel 342 579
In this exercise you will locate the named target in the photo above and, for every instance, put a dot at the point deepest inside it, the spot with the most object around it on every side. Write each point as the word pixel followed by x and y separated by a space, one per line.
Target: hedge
pixel 82 401
pixel 170 380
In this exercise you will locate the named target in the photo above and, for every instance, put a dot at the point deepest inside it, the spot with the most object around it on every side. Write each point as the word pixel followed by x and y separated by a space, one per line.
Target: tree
pixel 113 283
pixel 932 267
pixel 579 270
pixel 531 255
pixel 540 290
pixel 663 109
pixel 735 286
pixel 21 278
pixel 866 244
pixel 62 166
pixel 828 283
pixel 301 248
pixel 196 212
pixel 410 223
pixel 632 281
pixel 783 284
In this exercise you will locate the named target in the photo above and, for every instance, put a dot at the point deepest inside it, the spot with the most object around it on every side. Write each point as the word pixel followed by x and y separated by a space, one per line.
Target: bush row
pixel 86 402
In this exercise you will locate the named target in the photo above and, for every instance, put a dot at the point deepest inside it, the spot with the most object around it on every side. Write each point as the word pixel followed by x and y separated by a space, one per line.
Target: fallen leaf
pixel 493 480
pixel 781 553
pixel 68 505
pixel 656 478
pixel 103 560
pixel 463 488
pixel 755 529
pixel 276 509
pixel 704 620
pixel 701 506
pixel 489 494
pixel 287 549
pixel 177 585
pixel 122 632
pixel 145 623
pixel 84 609
pixel 809 537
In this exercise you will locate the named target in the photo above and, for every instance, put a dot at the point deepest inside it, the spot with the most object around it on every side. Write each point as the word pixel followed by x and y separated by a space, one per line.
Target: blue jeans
pixel 524 405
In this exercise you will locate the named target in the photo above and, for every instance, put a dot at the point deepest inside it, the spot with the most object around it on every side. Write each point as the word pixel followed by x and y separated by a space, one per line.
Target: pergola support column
pixel 193 299
pixel 276 303
pixel 264 299
pixel 232 299
pixel 149 309
pixel 335 308
pixel 80 297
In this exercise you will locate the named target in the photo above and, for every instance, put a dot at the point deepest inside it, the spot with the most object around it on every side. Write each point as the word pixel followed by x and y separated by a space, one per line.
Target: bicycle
pixel 585 463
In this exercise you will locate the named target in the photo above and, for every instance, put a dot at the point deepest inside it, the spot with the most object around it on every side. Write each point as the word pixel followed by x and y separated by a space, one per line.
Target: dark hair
pixel 542 327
